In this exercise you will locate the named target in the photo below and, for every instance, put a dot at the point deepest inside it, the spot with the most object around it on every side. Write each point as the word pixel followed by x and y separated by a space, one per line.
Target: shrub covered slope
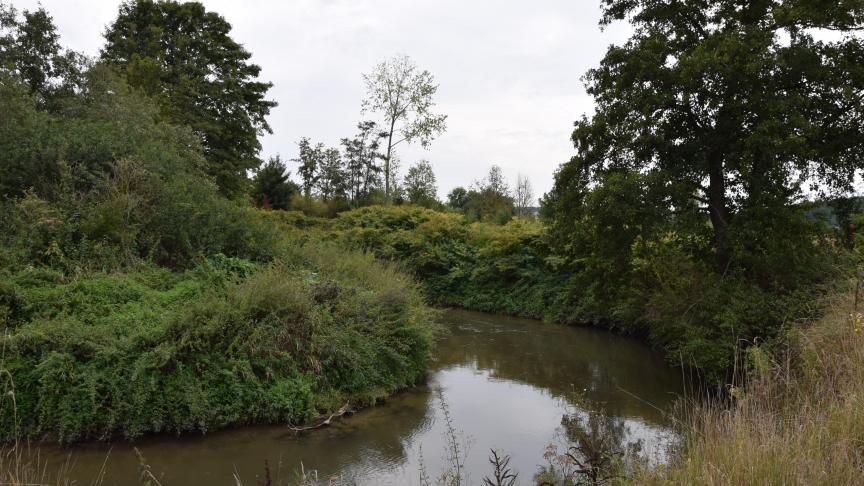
pixel 136 298
pixel 653 288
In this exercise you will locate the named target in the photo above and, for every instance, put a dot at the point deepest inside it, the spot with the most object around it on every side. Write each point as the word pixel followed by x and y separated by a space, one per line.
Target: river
pixel 507 384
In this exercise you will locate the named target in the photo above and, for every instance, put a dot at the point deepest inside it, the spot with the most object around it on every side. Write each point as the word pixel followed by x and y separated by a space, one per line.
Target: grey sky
pixel 509 71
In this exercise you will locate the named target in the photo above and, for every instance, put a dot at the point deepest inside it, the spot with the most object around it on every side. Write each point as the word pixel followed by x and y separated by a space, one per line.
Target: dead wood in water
pixel 342 411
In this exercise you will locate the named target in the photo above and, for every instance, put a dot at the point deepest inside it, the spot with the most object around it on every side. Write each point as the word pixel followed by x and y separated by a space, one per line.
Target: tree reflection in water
pixel 593 448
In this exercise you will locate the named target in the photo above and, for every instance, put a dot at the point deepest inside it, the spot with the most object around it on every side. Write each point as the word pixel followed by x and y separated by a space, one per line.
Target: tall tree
pixel 420 186
pixel 333 181
pixel 402 95
pixel 30 48
pixel 361 161
pixel 310 160
pixel 731 104
pixel 272 186
pixel 523 195
pixel 184 55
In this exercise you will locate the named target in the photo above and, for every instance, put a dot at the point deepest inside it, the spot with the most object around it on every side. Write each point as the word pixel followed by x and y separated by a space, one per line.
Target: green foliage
pixel 361 155
pixel 310 160
pixel 272 187
pixel 633 269
pixel 183 55
pixel 493 268
pixel 30 48
pixel 106 183
pixel 623 276
pixel 680 214
pixel 489 200
pixel 318 208
pixel 457 198
pixel 137 298
pixel 419 185
pixel 72 151
pixel 333 179
pixel 228 342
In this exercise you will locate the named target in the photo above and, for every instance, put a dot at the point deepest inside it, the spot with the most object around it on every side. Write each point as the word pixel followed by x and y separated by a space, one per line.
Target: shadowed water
pixel 507 381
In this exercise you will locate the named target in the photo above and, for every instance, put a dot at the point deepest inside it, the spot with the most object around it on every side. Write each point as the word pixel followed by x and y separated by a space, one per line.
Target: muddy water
pixel 507 383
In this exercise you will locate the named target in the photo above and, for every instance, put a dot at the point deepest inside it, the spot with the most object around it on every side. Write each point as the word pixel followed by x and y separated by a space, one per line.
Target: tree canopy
pixel 420 186
pixel 30 48
pixel 722 108
pixel 682 211
pixel 184 55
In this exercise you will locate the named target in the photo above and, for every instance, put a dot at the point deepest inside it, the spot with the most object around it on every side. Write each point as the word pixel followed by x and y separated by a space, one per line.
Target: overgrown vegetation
pixel 136 298
pixel 798 419
pixel 142 291
pixel 696 315
pixel 227 342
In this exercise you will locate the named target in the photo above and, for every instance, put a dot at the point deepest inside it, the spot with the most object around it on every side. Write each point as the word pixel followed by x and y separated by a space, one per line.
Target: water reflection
pixel 508 383
pixel 622 374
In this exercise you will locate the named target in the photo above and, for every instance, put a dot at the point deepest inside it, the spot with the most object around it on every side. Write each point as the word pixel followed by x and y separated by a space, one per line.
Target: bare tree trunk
pixel 718 210
pixel 387 161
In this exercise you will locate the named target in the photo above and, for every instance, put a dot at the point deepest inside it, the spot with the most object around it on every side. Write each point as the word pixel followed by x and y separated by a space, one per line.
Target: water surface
pixel 507 383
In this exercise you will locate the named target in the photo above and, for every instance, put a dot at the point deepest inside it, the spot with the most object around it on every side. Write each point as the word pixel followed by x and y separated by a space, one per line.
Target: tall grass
pixel 799 420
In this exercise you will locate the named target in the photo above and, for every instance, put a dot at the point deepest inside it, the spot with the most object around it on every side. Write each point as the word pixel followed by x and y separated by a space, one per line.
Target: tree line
pixel 681 216
pixel 365 170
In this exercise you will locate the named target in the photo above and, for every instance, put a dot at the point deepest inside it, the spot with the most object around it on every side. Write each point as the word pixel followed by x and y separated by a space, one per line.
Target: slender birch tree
pixel 402 94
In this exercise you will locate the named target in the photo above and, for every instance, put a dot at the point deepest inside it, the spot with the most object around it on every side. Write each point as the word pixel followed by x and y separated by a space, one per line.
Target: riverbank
pixel 657 292
pixel 227 342
pixel 486 369
pixel 799 420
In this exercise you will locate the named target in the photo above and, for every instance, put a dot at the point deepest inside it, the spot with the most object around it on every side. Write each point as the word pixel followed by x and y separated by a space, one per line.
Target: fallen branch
pixel 342 411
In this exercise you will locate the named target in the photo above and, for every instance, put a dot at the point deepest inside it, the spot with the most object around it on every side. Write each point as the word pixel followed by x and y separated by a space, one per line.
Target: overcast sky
pixel 509 71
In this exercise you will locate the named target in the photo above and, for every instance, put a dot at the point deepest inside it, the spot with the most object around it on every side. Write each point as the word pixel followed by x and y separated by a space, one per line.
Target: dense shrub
pixel 228 342
pixel 488 267
pixel 616 271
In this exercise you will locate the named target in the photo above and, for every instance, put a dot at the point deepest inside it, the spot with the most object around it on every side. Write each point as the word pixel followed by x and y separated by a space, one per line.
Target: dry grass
pixel 800 420
pixel 21 465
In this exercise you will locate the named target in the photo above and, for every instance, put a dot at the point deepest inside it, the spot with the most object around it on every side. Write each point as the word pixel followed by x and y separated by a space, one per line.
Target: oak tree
pixel 731 107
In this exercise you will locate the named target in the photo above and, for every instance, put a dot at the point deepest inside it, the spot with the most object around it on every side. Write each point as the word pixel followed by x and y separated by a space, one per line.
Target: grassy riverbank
pixel 799 420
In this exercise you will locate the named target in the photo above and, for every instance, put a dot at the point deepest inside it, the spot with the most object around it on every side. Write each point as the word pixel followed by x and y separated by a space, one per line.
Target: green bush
pixel 619 271
pixel 488 267
pixel 227 342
